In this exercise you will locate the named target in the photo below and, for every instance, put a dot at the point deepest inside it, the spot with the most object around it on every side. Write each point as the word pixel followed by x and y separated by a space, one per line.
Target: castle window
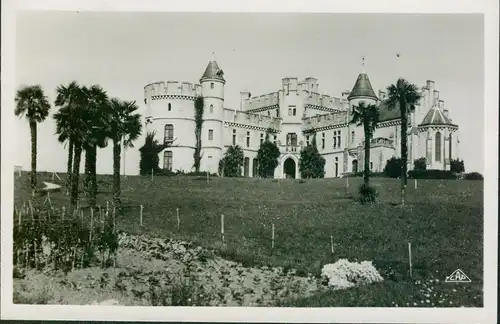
pixel 371 165
pixel 307 139
pixel 261 138
pixel 437 148
pixel 169 133
pixel 291 139
pixel 167 160
pixel 274 139
pixel 335 140
pixel 169 106
pixel 211 85
pixel 336 159
pixel 211 108
pixel 323 141
pixel 277 112
pixel 269 113
pixel 289 111
pixel 248 139
pixel 352 136
pixel 294 111
pixel 338 139
pixel 210 134
pixel 234 136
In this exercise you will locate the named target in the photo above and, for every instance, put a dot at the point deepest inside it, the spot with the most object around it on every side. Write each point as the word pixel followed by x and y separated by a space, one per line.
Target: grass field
pixel 443 220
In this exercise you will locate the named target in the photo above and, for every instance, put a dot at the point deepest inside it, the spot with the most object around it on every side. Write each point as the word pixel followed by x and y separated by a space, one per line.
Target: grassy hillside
pixel 443 220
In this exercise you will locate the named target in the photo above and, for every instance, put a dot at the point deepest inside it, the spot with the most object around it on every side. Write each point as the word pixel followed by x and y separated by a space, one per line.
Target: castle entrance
pixel 289 168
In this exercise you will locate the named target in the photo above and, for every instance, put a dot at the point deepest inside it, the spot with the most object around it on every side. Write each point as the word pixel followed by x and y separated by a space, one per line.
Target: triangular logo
pixel 458 276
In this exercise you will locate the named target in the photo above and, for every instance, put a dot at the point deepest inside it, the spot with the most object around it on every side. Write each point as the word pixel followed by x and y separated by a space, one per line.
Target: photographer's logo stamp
pixel 458 276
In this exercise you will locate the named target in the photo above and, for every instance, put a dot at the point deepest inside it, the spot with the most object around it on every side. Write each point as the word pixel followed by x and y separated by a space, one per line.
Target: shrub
pixel 420 164
pixel 432 174
pixel 367 194
pixel 361 174
pixel 344 274
pixel 232 162
pixel 311 163
pixel 473 176
pixel 267 158
pixel 457 166
pixel 393 167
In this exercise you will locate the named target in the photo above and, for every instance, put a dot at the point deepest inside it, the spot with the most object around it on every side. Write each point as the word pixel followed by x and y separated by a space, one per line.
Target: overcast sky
pixel 123 52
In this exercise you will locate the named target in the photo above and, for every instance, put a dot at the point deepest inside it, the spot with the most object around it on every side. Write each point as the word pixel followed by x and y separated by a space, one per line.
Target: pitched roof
pixel 435 116
pixel 362 88
pixel 213 72
pixel 385 113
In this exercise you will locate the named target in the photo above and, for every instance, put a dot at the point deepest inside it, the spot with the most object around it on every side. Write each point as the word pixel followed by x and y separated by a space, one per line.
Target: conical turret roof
pixel 213 72
pixel 362 88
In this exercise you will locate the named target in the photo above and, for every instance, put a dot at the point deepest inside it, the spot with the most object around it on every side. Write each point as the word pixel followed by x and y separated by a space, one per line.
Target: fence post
pixel 331 243
pixel 222 228
pixel 272 237
pixel 178 220
pixel 409 257
pixel 142 207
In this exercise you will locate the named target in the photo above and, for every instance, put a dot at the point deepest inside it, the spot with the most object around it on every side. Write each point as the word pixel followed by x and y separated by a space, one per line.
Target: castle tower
pixel 361 92
pixel 212 84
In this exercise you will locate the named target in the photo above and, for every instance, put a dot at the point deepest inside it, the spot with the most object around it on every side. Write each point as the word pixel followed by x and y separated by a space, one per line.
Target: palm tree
pixel 72 123
pixel 366 116
pixel 66 98
pixel 405 96
pixel 98 128
pixel 126 127
pixel 32 103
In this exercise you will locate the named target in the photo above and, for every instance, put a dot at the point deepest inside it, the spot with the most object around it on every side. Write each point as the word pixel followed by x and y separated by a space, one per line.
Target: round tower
pixel 361 92
pixel 212 85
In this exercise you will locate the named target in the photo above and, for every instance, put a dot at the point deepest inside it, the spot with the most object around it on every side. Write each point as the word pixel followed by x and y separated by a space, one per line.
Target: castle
pixel 290 115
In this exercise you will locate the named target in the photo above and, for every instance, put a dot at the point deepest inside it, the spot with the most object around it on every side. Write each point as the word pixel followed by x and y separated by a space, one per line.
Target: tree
pixel 406 96
pixel 232 162
pixel 457 166
pixel 393 167
pixel 32 103
pixel 65 98
pixel 97 133
pixel 149 154
pixel 366 116
pixel 311 163
pixel 126 127
pixel 420 164
pixel 198 119
pixel 267 158
pixel 72 123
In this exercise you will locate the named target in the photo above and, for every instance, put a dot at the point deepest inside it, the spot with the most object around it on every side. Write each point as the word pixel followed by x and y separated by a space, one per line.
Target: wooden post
pixel 208 180
pixel 331 243
pixel 272 237
pixel 178 220
pixel 31 209
pixel 142 207
pixel 152 172
pixel 415 184
pixel 222 228
pixel 36 261
pixel 107 208
pixel 409 256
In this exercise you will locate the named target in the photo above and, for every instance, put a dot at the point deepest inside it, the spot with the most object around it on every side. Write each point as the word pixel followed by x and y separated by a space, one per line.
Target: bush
pixel 432 174
pixel 473 176
pixel 457 166
pixel 393 167
pixel 367 194
pixel 361 174
pixel 420 164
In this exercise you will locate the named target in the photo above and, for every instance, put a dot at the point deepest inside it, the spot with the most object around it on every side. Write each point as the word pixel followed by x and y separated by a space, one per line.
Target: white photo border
pixel 486 314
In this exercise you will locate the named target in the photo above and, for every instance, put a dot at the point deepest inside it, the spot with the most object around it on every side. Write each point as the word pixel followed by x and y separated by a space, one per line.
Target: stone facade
pixel 291 114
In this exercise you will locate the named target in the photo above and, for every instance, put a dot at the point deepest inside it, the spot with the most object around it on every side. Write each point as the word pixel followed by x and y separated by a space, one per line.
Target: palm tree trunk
pixel 76 175
pixel 69 168
pixel 33 154
pixel 404 149
pixel 92 177
pixel 116 172
pixel 366 171
pixel 88 172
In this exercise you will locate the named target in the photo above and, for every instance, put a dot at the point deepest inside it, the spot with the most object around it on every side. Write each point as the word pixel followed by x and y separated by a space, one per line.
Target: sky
pixel 124 51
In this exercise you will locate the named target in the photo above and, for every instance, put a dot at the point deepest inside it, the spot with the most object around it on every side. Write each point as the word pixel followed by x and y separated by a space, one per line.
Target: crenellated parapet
pixel 322 102
pixel 326 121
pixel 172 89
pixel 260 103
pixel 257 121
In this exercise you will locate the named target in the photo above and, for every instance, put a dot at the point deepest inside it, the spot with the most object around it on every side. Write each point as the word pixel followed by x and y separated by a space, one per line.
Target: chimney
pixel 381 94
pixel 436 97
pixel 345 94
pixel 430 85
pixel 443 109
pixel 244 95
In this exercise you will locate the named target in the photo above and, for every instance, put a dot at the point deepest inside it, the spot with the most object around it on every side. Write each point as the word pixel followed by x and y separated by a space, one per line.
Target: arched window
pixel 437 147
pixel 169 133
pixel 169 106
pixel 211 108
pixel 167 160
pixel 352 137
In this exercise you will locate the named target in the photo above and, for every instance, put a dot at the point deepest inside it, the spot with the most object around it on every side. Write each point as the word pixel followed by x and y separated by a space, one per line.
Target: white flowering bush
pixel 344 274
